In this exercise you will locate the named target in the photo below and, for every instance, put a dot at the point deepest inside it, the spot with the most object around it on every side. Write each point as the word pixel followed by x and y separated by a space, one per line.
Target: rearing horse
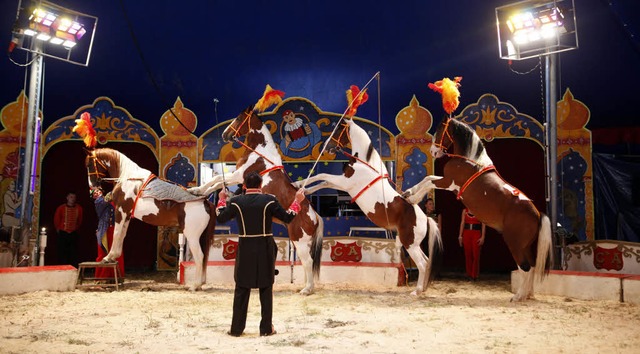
pixel 365 178
pixel 261 155
pixel 138 193
pixel 470 173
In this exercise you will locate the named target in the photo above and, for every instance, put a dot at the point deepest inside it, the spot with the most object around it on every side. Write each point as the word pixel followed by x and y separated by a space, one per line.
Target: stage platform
pixel 585 285
pixel 345 260
pixel 18 280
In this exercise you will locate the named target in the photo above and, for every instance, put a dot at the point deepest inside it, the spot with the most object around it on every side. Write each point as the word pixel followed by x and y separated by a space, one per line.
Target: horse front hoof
pixel 306 291
pixel 407 193
pixel 415 293
pixel 106 260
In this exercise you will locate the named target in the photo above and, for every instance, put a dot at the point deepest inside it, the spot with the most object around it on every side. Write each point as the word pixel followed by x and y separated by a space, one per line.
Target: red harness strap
pixel 151 176
pixel 368 186
pixel 472 178
pixel 271 169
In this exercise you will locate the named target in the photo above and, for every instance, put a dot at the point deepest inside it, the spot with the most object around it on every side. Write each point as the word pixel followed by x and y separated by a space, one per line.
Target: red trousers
pixel 471 252
pixel 108 272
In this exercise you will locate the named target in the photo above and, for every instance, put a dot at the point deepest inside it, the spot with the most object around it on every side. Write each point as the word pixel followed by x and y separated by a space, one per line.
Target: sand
pixel 154 314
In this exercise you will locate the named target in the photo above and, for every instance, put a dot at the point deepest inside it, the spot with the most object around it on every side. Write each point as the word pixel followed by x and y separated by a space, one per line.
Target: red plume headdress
pixel 84 128
pixel 355 98
pixel 449 90
pixel 269 98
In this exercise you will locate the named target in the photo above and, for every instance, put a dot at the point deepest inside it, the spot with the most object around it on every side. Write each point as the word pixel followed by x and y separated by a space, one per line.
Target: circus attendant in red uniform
pixel 104 233
pixel 67 220
pixel 471 237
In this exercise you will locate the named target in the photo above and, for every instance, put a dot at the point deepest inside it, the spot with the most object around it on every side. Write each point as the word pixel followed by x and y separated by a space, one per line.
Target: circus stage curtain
pixel 617 197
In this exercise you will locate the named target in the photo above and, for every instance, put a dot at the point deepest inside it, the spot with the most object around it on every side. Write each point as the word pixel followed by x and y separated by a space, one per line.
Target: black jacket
pixel 256 254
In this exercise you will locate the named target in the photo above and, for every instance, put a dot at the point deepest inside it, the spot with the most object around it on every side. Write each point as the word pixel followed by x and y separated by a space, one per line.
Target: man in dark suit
pixel 256 254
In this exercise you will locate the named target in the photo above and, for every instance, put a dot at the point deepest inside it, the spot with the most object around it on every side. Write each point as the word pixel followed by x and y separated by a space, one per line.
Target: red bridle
pixel 445 131
pixel 99 175
pixel 236 132
pixel 338 140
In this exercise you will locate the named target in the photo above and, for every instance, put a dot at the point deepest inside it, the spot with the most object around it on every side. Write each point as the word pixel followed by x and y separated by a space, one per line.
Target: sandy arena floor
pixel 154 314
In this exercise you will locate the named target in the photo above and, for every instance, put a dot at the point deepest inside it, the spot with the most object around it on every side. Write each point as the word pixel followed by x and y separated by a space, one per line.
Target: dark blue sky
pixel 201 50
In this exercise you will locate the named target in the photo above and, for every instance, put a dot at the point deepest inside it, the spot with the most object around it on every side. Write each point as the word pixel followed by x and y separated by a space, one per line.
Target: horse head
pixel 96 169
pixel 246 121
pixel 103 164
pixel 443 139
pixel 340 137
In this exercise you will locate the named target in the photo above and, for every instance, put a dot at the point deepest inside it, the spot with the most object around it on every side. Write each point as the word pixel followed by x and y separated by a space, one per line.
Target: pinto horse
pixel 470 173
pixel 261 155
pixel 140 194
pixel 365 178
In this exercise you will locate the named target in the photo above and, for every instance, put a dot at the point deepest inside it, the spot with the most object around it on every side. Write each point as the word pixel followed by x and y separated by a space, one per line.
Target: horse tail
pixel 316 247
pixel 206 239
pixel 435 248
pixel 544 254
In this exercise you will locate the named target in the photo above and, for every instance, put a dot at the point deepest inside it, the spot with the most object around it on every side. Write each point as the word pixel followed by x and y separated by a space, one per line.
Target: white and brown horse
pixel 365 178
pixel 470 173
pixel 261 155
pixel 138 193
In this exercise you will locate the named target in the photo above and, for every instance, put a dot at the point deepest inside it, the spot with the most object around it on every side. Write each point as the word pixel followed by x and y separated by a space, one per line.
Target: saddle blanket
pixel 163 190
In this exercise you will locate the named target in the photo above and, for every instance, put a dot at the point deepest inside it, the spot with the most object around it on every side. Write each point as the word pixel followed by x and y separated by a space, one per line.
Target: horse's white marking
pixel 453 187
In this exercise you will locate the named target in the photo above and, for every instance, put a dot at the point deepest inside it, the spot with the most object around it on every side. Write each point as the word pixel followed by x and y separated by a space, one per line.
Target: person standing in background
pixel 67 220
pixel 471 238
pixel 104 232
pixel 430 211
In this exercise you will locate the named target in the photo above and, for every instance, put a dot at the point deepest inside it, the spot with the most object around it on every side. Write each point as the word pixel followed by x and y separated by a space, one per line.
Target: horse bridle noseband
pixel 445 131
pixel 338 140
pixel 236 132
pixel 236 137
pixel 100 175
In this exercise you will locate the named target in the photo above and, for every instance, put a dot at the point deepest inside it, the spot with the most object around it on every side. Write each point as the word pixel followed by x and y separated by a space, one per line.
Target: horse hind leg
pixel 192 232
pixel 525 290
pixel 418 256
pixel 303 250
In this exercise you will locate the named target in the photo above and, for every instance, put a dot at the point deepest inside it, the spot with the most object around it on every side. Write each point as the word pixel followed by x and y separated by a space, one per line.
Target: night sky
pixel 229 50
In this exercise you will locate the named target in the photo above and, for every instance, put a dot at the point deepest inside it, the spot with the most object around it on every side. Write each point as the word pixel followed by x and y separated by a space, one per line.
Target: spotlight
pixel 533 28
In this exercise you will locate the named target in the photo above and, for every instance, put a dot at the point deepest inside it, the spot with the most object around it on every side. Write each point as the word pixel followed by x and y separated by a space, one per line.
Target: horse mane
pixel 369 148
pixel 469 143
pixel 120 166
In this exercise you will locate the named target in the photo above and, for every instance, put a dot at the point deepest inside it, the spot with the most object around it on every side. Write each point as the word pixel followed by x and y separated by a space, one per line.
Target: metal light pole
pixel 35 88
pixel 552 136
pixel 44 29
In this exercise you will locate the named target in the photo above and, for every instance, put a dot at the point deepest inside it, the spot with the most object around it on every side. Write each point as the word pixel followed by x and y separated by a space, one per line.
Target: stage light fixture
pixel 49 26
pixel 529 29
pixel 533 28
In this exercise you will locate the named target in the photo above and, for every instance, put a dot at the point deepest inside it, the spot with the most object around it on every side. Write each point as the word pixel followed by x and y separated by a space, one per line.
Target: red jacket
pixel 68 218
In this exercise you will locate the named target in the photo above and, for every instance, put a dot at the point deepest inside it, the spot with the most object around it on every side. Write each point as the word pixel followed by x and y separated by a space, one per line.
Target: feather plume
pixel 355 99
pixel 269 98
pixel 449 90
pixel 84 128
